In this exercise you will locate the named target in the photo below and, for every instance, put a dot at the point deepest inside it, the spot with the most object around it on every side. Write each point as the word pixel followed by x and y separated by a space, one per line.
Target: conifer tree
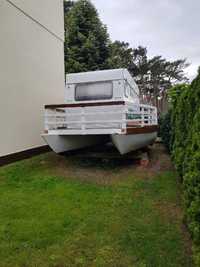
pixel 87 40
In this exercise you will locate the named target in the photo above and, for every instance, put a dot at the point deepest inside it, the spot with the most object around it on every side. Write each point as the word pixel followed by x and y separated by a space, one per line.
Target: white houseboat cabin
pixel 100 106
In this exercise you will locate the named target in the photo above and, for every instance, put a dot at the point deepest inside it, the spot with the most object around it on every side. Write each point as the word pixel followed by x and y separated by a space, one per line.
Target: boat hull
pixel 131 142
pixel 124 143
pixel 64 143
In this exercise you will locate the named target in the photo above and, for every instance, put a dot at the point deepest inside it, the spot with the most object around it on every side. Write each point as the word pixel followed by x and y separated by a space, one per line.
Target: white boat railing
pixel 88 118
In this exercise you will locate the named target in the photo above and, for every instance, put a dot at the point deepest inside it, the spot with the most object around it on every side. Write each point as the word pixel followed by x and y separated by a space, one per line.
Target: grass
pixel 60 212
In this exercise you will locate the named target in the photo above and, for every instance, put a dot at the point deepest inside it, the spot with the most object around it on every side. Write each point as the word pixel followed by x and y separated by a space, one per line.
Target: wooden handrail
pixel 88 104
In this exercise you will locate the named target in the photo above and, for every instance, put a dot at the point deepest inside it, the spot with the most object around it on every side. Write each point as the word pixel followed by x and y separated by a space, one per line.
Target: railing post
pixel 65 118
pixel 142 116
pixel 83 120
pixel 156 115
pixel 149 116
pixel 125 111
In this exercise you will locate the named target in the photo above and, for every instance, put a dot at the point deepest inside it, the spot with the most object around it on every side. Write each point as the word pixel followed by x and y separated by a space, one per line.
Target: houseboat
pixel 100 106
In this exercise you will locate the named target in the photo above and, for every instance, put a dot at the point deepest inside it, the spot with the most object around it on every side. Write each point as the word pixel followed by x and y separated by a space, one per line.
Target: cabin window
pixel 133 95
pixel 94 91
pixel 127 90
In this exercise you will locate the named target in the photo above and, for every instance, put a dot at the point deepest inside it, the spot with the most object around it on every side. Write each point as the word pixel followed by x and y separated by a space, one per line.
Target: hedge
pixel 183 141
pixel 165 129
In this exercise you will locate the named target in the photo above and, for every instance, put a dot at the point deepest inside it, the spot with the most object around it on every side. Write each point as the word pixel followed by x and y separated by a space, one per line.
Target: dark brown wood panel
pixel 23 154
pixel 141 130
pixel 110 103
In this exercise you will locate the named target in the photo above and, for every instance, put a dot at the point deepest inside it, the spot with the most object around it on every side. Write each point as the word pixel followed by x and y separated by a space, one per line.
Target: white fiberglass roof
pixel 96 76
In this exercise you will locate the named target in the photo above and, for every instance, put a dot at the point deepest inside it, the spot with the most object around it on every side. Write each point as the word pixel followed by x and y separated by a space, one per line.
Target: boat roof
pixel 98 76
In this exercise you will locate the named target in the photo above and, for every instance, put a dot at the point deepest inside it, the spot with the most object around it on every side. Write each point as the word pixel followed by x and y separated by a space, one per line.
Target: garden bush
pixel 180 130
pixel 165 129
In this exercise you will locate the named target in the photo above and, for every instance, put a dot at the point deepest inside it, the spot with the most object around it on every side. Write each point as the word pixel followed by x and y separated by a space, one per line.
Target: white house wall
pixel 31 69
pixel 47 12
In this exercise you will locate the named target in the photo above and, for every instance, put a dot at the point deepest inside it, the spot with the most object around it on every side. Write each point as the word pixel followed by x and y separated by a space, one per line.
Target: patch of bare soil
pixel 169 211
pixel 159 161
pixel 99 171
pixel 108 170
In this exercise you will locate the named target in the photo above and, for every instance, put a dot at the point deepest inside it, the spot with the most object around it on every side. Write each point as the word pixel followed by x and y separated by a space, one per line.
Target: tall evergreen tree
pixel 121 56
pixel 68 4
pixel 87 40
pixel 154 75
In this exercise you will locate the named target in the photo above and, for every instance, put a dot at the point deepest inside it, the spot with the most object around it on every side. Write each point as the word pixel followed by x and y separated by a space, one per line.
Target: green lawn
pixel 57 211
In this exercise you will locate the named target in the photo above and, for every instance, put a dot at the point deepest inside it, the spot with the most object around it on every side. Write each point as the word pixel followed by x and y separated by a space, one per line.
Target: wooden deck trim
pixel 141 130
pixel 94 104
pixel 23 154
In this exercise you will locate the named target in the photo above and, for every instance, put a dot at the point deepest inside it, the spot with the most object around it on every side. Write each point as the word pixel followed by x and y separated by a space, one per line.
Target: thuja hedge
pixel 165 129
pixel 183 139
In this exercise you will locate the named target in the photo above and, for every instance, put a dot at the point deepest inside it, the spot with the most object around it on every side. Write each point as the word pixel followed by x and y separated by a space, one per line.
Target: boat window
pixel 94 91
pixel 127 90
pixel 133 95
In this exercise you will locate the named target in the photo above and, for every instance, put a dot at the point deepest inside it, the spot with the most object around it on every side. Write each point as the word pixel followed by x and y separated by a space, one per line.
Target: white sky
pixel 170 28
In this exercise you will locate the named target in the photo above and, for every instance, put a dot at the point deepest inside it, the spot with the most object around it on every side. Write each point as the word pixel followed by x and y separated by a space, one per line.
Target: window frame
pixel 107 98
pixel 132 93
pixel 127 89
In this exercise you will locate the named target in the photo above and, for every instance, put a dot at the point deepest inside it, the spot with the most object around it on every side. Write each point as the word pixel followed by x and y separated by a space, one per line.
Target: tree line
pixel 88 47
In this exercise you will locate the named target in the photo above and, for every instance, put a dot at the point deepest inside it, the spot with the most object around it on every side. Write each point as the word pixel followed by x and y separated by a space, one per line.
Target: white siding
pixel 31 70
pixel 47 12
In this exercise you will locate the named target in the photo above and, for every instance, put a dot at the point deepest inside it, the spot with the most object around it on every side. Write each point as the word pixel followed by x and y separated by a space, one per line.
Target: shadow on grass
pixel 98 157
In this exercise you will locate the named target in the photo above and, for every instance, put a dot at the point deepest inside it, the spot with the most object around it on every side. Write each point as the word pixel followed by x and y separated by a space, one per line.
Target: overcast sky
pixel 170 28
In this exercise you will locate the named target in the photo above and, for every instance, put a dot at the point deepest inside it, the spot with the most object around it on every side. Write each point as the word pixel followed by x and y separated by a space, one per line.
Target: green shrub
pixel 165 129
pixel 179 124
pixel 185 150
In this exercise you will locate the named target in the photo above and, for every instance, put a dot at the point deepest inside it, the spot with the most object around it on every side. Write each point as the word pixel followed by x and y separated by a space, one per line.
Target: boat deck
pixel 100 118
